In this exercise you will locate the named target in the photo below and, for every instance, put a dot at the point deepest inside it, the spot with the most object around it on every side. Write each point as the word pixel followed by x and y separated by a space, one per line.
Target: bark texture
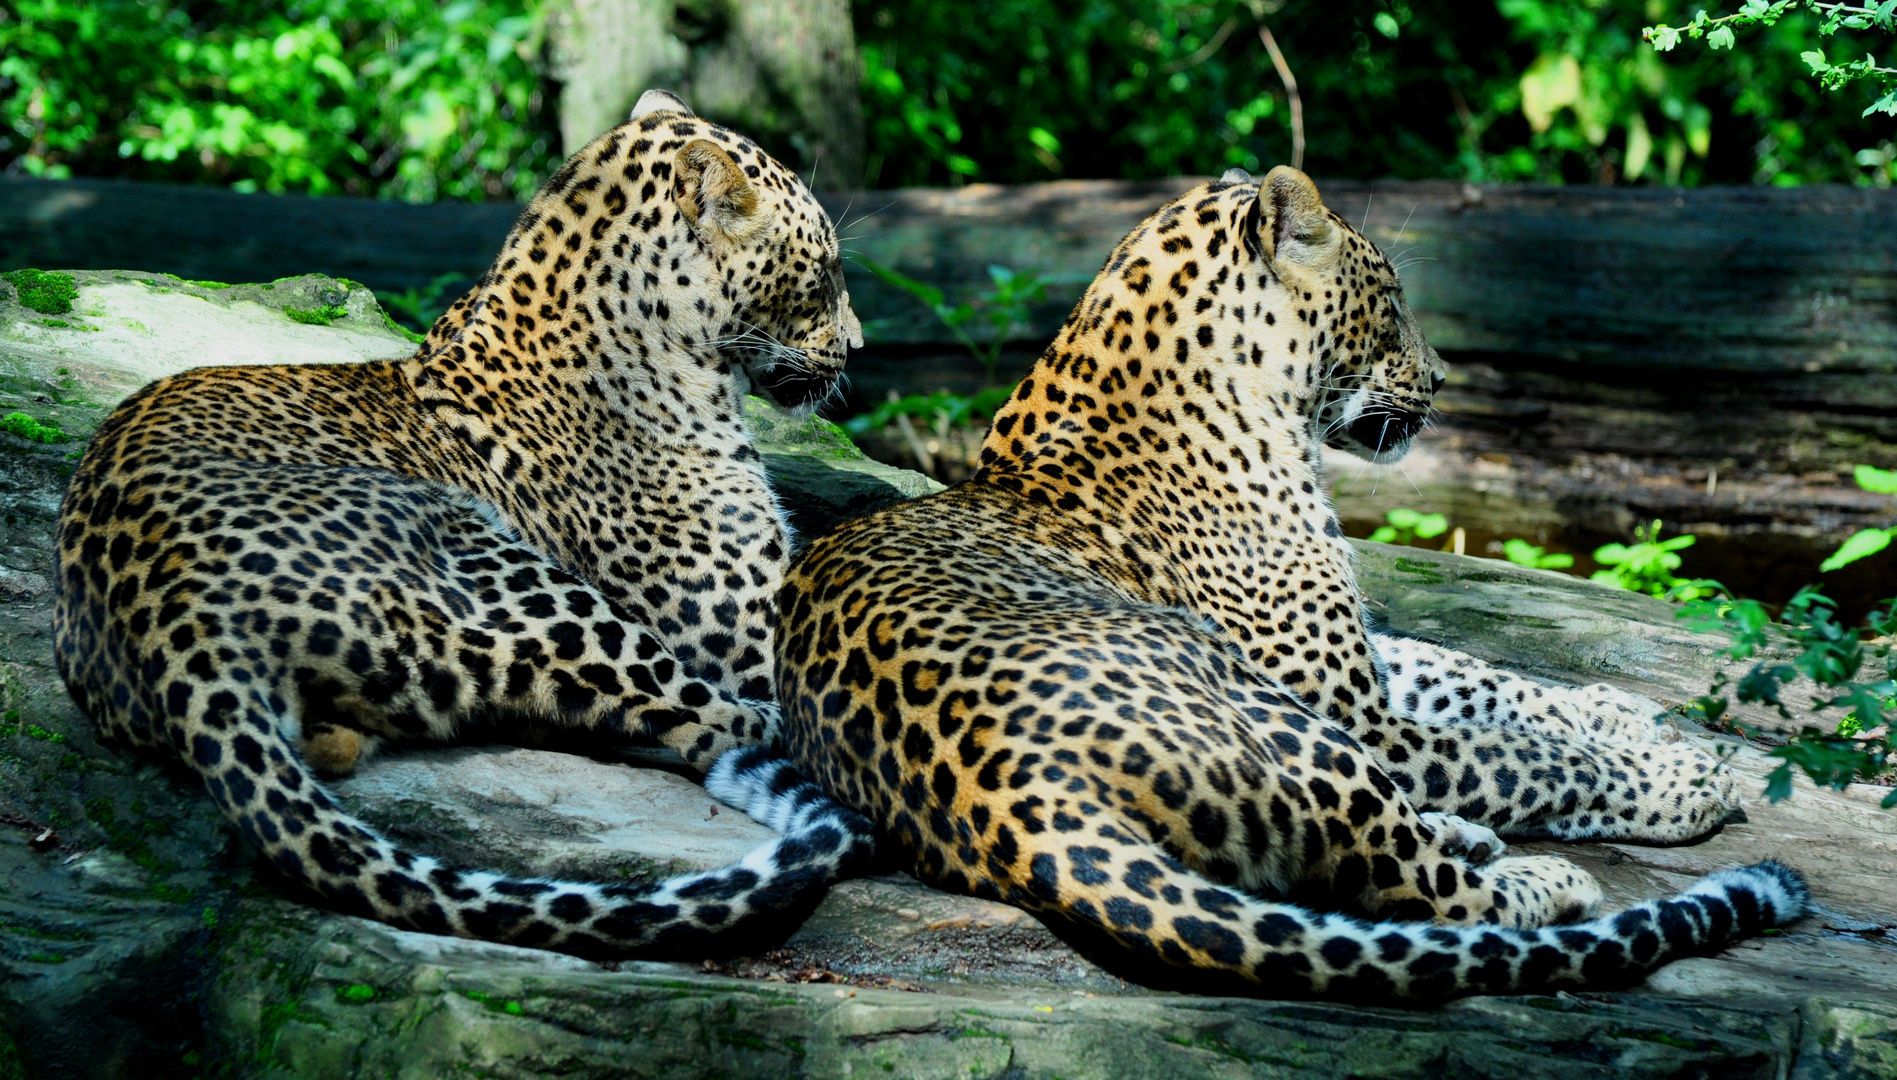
pixel 782 71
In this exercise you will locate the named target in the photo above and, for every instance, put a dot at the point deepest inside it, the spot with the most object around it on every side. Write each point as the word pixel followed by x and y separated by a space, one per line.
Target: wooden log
pixel 219 235
pixel 1733 279
pixel 1740 280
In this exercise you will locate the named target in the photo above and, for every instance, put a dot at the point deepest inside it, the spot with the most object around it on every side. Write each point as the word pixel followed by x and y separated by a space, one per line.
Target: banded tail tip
pixel 1776 886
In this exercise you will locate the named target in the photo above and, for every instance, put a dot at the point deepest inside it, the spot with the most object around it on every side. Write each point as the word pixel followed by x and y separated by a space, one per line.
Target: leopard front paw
pixel 1465 840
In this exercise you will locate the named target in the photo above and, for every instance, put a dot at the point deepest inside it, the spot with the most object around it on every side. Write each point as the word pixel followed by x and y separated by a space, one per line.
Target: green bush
pixel 413 100
pixel 1549 90
pixel 395 98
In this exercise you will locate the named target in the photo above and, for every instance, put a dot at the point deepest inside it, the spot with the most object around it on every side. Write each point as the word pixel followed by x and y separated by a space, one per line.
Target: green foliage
pixel 48 294
pixel 1407 526
pixel 1548 90
pixel 356 994
pixel 417 309
pixel 1647 566
pixel 25 427
pixel 1004 307
pixel 958 409
pixel 1880 15
pixel 414 100
pixel 1854 674
pixel 1522 553
pixel 1865 542
pixel 398 98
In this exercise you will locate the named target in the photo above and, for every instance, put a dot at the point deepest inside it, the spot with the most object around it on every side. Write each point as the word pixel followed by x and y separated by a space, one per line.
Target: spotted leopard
pixel 549 517
pixel 1122 677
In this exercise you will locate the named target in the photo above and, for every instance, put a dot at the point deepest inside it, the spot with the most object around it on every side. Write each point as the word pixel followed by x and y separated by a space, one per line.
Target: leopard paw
pixel 1465 840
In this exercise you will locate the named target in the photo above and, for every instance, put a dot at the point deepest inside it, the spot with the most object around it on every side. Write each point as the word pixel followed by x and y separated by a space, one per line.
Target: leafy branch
pixel 1866 542
pixel 1004 307
pixel 1859 746
pixel 1719 34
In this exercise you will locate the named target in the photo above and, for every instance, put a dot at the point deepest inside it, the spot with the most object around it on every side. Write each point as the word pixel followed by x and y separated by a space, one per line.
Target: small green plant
pixel 1869 15
pixel 1855 674
pixel 1647 566
pixel 1004 307
pixel 25 427
pixel 417 309
pixel 48 294
pixel 1522 553
pixel 357 994
pixel 1865 542
pixel 1406 526
pixel 957 408
pixel 317 316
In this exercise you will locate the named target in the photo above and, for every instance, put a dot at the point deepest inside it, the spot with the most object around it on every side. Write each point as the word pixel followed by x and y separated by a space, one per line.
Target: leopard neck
pixel 579 319
pixel 1171 417
pixel 1165 440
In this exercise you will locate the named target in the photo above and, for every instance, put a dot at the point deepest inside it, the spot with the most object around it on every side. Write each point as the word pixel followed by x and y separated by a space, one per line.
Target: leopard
pixel 1123 677
pixel 550 521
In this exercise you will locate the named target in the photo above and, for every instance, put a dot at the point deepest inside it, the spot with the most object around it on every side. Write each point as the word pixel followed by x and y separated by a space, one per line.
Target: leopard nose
pixel 1381 429
pixel 1437 380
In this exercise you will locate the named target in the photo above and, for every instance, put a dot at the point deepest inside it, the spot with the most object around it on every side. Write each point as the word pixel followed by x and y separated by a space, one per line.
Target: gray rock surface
pixel 138 937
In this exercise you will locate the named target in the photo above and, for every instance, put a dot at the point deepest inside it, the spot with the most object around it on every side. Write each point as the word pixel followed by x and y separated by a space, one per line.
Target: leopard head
pixel 772 249
pixel 670 266
pixel 1376 374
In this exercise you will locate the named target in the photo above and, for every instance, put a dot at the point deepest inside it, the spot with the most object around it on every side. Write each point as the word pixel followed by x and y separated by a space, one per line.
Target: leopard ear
pixel 659 101
pixel 714 194
pixel 1301 229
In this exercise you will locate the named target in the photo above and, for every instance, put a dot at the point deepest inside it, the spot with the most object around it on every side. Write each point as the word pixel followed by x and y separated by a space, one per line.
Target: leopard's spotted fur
pixel 551 514
pixel 1122 675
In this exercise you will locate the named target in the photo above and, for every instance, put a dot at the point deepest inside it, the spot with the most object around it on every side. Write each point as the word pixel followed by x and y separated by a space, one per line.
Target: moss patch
pixel 356 994
pixel 11 1067
pixel 48 294
pixel 23 426
pixel 317 316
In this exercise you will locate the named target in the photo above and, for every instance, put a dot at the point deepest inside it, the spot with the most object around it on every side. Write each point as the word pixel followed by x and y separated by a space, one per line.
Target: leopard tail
pixel 1161 910
pixel 263 785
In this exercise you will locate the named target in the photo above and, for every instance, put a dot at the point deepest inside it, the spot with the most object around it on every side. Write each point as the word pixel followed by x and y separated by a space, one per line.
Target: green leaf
pixel 1816 59
pixel 1610 555
pixel 1720 38
pixel 1882 481
pixel 1863 544
pixel 1429 525
pixel 1778 784
pixel 1664 38
pixel 926 293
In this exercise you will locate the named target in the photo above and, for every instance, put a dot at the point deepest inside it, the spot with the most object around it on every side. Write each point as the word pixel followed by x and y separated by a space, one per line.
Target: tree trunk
pixel 784 72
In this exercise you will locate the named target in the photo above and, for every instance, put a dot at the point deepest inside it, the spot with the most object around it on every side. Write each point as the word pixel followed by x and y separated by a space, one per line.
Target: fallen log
pixel 1756 280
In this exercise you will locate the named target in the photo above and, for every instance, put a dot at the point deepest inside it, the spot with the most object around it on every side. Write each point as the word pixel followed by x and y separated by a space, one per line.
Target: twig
pixel 1204 52
pixel 1290 91
pixel 908 429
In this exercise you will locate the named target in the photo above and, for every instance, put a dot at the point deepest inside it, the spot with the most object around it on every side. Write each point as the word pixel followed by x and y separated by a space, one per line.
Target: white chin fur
pixel 1386 456
pixel 1354 406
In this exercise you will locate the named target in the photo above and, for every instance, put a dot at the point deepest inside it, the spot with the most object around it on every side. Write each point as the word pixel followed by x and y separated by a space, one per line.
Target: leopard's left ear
pixel 1289 222
pixel 714 194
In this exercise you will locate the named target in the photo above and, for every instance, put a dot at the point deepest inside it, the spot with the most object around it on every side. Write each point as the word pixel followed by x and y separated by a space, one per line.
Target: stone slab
pixel 140 938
